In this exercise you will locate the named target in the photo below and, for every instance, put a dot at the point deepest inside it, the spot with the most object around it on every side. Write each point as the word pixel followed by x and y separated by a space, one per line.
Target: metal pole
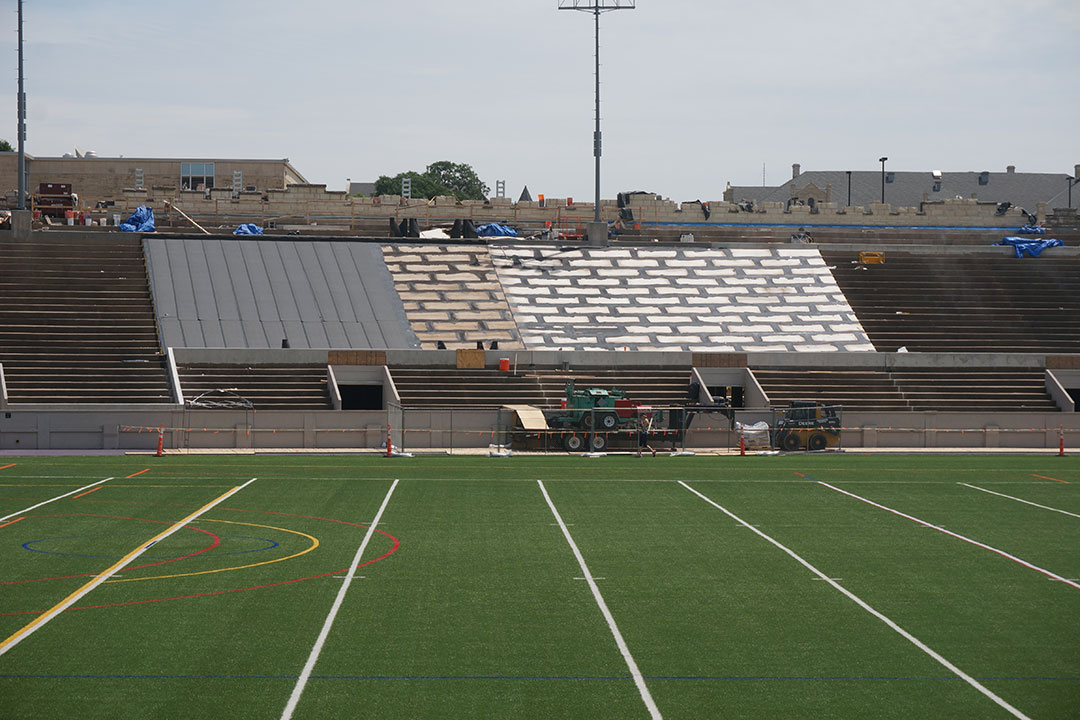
pixel 22 119
pixel 597 149
pixel 882 161
pixel 849 188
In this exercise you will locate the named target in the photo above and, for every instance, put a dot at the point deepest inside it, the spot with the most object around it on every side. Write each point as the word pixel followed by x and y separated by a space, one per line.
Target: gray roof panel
pixel 223 292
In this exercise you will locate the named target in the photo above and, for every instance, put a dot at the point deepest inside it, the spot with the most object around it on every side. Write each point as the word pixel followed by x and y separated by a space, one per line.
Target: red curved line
pixel 393 549
pixel 211 546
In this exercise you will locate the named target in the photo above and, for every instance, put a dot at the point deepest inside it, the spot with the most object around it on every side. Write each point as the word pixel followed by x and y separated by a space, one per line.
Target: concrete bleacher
pixel 450 387
pixel 911 389
pixel 274 386
pixel 975 389
pixel 77 322
pixel 679 298
pixel 985 301
pixel 852 389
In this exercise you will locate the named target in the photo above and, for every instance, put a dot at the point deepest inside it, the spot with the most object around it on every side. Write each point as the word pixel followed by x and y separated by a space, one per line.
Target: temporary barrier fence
pixel 599 430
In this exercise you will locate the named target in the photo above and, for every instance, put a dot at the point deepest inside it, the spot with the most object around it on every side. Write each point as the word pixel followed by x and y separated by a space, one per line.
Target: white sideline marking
pixel 58 497
pixel 301 682
pixel 858 601
pixel 958 536
pixel 639 680
pixel 120 564
pixel 1026 502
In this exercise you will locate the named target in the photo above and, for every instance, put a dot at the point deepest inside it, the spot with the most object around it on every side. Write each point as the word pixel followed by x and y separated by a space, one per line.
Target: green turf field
pixel 757 587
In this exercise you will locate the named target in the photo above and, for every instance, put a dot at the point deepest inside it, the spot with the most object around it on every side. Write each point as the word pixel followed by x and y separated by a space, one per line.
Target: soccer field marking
pixel 958 536
pixel 313 657
pixel 639 680
pixel 1044 477
pixel 1026 502
pixel 5 467
pixel 58 497
pixel 12 522
pixel 39 622
pixel 314 544
pixel 136 474
pixel 865 606
pixel 76 497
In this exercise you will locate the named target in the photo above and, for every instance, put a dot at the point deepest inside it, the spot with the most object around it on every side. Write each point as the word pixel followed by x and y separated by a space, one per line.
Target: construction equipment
pixel 598 412
pixel 807 425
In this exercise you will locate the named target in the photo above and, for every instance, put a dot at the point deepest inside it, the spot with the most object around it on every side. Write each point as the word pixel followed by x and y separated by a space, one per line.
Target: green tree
pixel 460 178
pixel 439 178
pixel 422 186
pixel 5 146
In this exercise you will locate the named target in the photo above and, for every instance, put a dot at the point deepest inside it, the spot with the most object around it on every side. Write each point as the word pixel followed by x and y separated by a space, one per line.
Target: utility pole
pixel 596 7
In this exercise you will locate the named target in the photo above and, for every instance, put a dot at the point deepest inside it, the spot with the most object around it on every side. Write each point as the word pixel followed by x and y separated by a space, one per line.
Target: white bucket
pixel 116 219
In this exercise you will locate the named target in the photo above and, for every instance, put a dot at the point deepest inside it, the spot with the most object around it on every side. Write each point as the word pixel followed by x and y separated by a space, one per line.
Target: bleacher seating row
pixel 911 390
pixel 964 303
pixel 437 387
pixel 77 323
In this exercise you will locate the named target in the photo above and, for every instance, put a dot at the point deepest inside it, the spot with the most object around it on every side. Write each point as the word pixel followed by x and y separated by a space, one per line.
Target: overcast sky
pixel 696 93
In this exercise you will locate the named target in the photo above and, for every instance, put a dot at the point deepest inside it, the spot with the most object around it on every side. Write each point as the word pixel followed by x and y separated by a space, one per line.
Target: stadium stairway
pixel 964 303
pixel 911 389
pixel 433 387
pixel 77 322
pixel 266 387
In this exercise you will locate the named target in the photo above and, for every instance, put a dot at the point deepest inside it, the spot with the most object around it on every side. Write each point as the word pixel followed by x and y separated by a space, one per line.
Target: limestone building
pixel 94 178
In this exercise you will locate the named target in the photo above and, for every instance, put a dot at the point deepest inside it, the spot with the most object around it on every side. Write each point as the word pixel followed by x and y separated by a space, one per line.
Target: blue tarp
pixel 495 230
pixel 1032 230
pixel 248 229
pixel 142 220
pixel 1033 248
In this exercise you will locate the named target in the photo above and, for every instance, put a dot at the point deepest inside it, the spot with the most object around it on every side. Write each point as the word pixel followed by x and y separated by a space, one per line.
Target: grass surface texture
pixel 530 587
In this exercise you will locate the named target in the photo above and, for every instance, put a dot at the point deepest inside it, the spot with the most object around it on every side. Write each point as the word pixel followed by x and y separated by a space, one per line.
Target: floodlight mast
pixel 21 127
pixel 596 7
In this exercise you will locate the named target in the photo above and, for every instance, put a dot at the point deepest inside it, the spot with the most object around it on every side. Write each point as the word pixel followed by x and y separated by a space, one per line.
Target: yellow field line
pixel 305 551
pixel 74 597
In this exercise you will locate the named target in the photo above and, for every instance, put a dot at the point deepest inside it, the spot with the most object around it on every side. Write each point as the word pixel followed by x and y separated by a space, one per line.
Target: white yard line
pixel 958 536
pixel 120 564
pixel 1026 502
pixel 639 680
pixel 313 657
pixel 58 497
pixel 858 601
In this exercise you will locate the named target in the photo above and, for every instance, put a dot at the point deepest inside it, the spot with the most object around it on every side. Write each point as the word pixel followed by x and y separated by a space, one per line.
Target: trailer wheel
pixel 818 441
pixel 608 421
pixel 791 442
pixel 572 442
pixel 598 443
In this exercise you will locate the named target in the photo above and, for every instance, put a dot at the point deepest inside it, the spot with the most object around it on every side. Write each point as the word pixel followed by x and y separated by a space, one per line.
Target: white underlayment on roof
pixel 720 300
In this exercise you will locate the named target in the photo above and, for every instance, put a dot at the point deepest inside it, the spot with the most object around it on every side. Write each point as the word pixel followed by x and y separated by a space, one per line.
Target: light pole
pixel 849 188
pixel 882 161
pixel 21 128
pixel 596 7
